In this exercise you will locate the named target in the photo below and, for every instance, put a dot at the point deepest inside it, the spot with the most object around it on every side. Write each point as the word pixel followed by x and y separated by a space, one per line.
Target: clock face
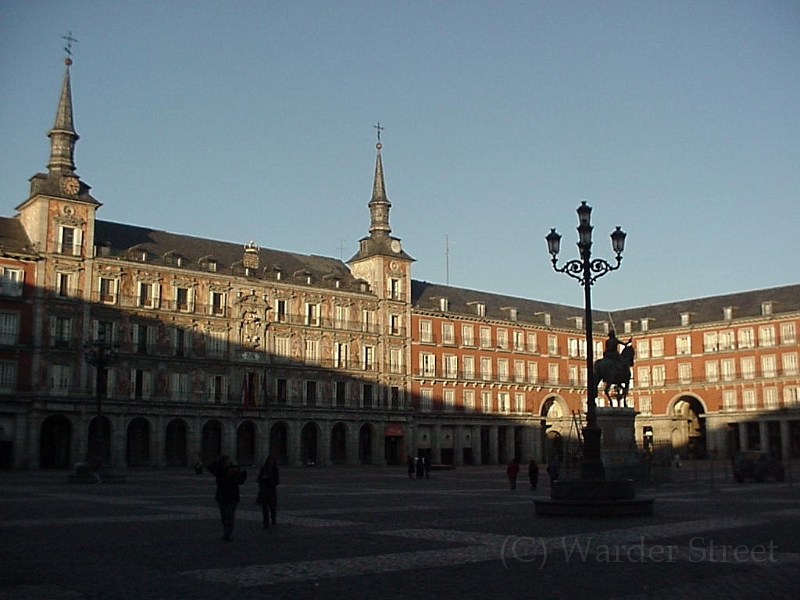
pixel 70 185
pixel 395 246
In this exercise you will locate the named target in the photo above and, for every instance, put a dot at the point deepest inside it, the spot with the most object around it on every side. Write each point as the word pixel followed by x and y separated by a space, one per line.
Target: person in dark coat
pixel 268 480
pixel 229 478
pixel 533 474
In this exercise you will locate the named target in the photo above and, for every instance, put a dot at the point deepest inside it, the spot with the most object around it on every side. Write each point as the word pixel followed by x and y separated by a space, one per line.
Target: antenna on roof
pixel 340 247
pixel 447 258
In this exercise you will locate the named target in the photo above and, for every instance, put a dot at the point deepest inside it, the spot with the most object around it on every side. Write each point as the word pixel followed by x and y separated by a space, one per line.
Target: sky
pixel 238 121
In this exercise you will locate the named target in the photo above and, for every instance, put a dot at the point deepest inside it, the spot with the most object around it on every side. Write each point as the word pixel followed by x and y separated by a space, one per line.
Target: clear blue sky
pixel 254 120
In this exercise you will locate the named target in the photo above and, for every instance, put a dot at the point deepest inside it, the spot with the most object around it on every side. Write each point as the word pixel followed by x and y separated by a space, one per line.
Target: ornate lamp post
pixel 101 355
pixel 587 270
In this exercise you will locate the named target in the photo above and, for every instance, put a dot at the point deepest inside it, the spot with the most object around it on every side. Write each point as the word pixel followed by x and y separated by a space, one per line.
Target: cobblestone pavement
pixel 372 533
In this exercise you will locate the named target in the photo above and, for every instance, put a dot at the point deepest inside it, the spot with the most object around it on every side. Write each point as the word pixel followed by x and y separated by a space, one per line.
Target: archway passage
pixel 365 445
pixel 308 444
pixel 55 442
pixel 279 443
pixel 689 438
pixel 175 447
pixel 139 443
pixel 211 444
pixel 246 444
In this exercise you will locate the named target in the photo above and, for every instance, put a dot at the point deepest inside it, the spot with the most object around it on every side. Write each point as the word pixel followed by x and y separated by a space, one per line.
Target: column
pixel 493 449
pixel 157 443
pixel 352 443
pixel 436 447
pixel 458 445
pixel 324 444
pixel 475 434
pixel 743 435
pixel 763 436
pixel 786 449
pixel 293 430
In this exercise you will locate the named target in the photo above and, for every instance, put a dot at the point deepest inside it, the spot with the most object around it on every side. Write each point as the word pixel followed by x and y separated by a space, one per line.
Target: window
pixel 573 375
pixel 502 369
pixel 340 393
pixel 710 341
pixel 791 395
pixel 425 332
pixel 519 341
pixel 729 400
pixel 532 346
pixel 552 373
pixel 69 241
pixel 683 344
pixel 552 345
pixel 179 386
pixel 311 393
pixel 11 281
pixel 148 294
pixel 766 309
pixel 183 299
pixel 486 368
pixel 217 304
pixel 533 372
pixel 643 377
pixel 686 319
pixel 746 339
pixel 9 328
pixel 788 335
pixel 728 369
pixel 394 325
pixel 771 397
pixel 64 284
pixel 426 400
pixel 282 391
pixel 519 371
pixel 572 347
pixel 643 349
pixel 727 340
pixel 467 335
pixel 181 342
pixel 8 376
pixel 60 331
pixel 480 309
pixel 312 314
pixel 657 346
pixel 394 289
pixel 281 311
pixel 444 304
pixel 502 339
pixel 712 371
pixel 766 335
pixel 519 402
pixel 60 379
pixel 646 405
pixel 685 373
pixel 748 364
pixel 141 382
pixel 749 399
pixel 789 363
pixel 448 333
pixel 449 399
pixel 503 402
pixel 486 337
pixel 216 343
pixel 395 360
pixel 450 366
pixel 108 290
pixel 217 388
pixel 659 375
pixel 341 354
pixel 469 367
pixel 768 366
pixel 368 321
pixel 469 400
pixel 143 338
pixel 486 401
pixel 428 364
pixel 311 353
pixel 340 317
pixel 368 358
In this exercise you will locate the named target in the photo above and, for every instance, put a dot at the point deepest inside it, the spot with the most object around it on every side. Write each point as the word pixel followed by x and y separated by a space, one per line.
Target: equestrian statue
pixel 615 369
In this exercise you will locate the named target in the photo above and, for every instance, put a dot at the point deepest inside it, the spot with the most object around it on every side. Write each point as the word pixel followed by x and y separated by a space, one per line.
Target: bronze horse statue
pixel 615 372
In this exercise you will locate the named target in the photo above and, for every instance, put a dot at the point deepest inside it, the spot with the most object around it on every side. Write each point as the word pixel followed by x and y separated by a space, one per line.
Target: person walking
pixel 533 474
pixel 552 470
pixel 229 478
pixel 512 471
pixel 268 480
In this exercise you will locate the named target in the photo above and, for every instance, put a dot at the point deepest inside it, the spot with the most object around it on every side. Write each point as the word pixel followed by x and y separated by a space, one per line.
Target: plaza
pixel 369 532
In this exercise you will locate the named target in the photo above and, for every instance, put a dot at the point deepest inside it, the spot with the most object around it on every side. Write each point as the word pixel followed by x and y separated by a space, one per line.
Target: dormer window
pixel 444 304
pixel 512 313
pixel 480 308
pixel 727 313
pixel 628 325
pixel 644 324
pixel 686 319
pixel 766 308
pixel 209 263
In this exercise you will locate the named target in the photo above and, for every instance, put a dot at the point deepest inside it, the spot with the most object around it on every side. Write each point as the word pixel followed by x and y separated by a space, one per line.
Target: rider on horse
pixel 615 367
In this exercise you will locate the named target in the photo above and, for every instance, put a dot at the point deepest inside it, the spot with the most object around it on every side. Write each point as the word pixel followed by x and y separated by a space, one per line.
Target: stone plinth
pixel 594 499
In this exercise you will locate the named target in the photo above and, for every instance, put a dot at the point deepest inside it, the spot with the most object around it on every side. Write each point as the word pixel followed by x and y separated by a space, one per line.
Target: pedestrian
pixel 410 465
pixel 420 467
pixel 426 465
pixel 552 470
pixel 677 460
pixel 268 480
pixel 229 478
pixel 533 474
pixel 512 471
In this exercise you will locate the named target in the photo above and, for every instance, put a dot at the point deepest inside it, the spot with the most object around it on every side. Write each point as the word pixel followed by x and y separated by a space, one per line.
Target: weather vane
pixel 68 48
pixel 378 128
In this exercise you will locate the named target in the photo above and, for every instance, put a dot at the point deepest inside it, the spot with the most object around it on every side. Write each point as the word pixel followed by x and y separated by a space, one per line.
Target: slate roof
pixel 13 237
pixel 122 238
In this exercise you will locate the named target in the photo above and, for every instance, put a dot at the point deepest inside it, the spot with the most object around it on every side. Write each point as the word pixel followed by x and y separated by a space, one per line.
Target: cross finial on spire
pixel 378 128
pixel 68 48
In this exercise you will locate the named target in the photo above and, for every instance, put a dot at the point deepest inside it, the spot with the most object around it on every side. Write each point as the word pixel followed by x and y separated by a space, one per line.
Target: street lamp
pixel 588 270
pixel 101 355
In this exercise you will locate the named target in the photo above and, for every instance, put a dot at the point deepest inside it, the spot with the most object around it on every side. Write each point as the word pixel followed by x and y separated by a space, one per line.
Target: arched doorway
pixel 279 443
pixel 689 438
pixel 175 451
pixel 55 442
pixel 308 444
pixel 138 454
pixel 339 444
pixel 246 443
pixel 365 444
pixel 211 444
pixel 100 440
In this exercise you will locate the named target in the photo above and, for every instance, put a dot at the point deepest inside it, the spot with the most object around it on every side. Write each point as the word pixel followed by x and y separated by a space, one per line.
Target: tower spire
pixel 379 205
pixel 62 135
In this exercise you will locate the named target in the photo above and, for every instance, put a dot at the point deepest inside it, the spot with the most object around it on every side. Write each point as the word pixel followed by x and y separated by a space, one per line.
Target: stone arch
pixel 309 438
pixel 554 407
pixel 138 442
pixel 688 412
pixel 211 441
pixel 366 433
pixel 279 442
pixel 246 443
pixel 55 443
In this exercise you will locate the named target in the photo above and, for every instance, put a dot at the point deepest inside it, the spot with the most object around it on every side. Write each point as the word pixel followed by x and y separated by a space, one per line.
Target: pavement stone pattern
pixel 371 532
